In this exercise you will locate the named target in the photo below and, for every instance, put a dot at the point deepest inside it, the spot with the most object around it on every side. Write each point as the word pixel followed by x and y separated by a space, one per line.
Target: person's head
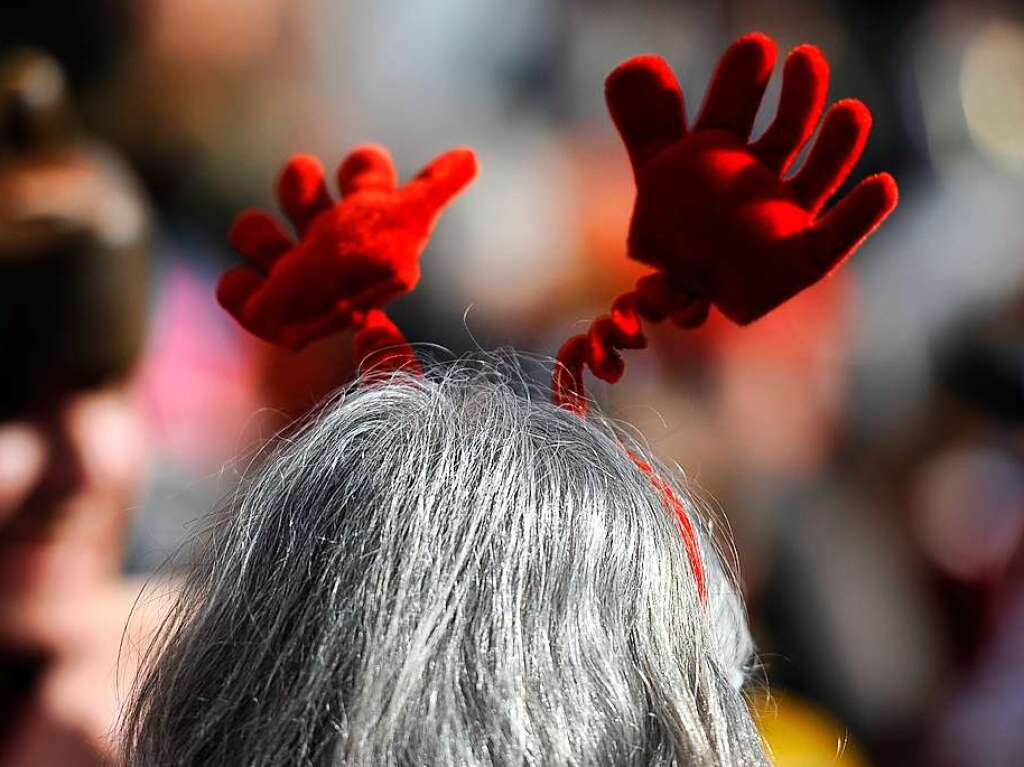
pixel 73 290
pixel 449 570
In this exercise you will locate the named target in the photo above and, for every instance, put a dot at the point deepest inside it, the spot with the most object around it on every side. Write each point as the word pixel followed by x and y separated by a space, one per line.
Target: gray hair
pixel 449 570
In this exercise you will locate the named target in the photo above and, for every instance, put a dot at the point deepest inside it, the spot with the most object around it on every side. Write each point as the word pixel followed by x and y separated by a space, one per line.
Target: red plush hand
pixel 352 256
pixel 714 213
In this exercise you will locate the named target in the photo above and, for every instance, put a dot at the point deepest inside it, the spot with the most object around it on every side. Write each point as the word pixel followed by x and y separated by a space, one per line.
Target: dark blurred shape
pixel 20 673
pixel 34 112
pixel 980 361
pixel 73 290
pixel 72 245
pixel 86 36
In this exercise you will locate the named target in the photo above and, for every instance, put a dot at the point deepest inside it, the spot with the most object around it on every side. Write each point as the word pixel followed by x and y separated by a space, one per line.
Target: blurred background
pixel 865 443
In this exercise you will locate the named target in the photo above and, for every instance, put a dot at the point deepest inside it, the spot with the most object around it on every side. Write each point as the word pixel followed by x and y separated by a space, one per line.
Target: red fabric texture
pixel 715 214
pixel 351 257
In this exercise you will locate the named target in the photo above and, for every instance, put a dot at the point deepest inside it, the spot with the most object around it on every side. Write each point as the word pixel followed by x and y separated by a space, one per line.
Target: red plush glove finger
pixel 737 86
pixel 350 258
pixel 368 167
pixel 804 85
pixel 713 213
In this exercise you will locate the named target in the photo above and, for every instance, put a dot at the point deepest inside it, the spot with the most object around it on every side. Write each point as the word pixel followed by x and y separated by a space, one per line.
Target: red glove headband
pixel 714 216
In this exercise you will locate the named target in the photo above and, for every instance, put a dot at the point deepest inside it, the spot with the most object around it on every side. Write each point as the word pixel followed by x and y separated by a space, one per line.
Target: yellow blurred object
pixel 992 92
pixel 799 734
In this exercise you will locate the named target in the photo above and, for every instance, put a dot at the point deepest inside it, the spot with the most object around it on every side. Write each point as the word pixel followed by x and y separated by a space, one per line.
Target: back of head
pixel 449 570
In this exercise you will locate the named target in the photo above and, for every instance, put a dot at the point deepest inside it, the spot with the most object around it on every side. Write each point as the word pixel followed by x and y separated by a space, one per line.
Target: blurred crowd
pixel 865 444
